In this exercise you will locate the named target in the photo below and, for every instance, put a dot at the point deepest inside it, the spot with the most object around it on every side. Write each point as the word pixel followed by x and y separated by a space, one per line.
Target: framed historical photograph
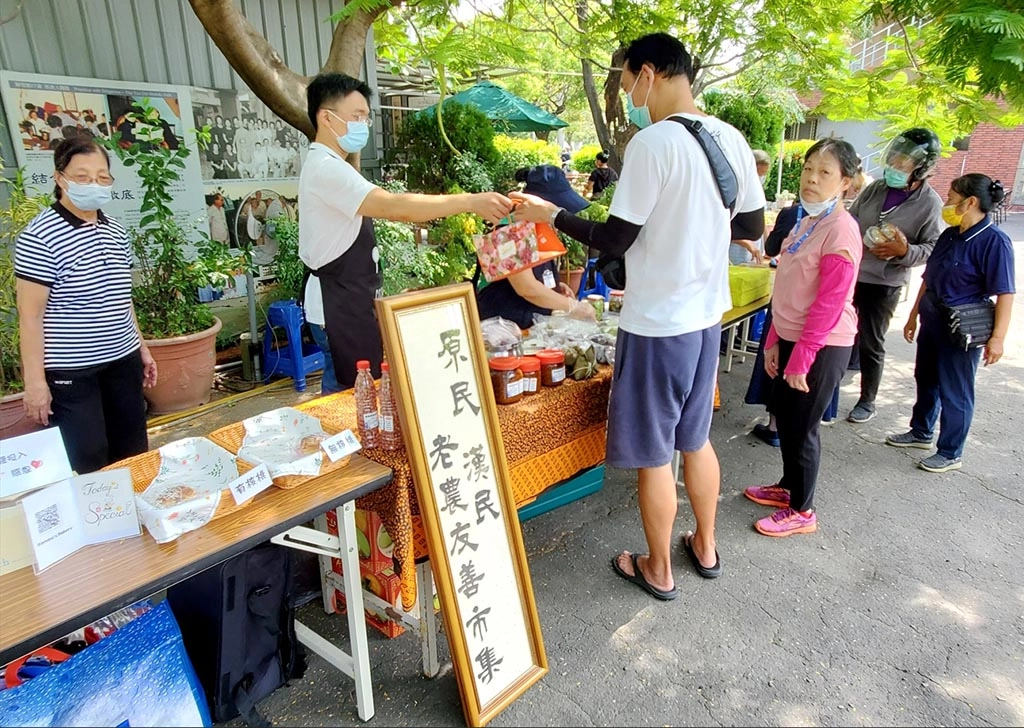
pixel 450 424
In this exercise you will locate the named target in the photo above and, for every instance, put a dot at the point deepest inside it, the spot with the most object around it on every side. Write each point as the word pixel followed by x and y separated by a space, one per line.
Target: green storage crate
pixel 748 284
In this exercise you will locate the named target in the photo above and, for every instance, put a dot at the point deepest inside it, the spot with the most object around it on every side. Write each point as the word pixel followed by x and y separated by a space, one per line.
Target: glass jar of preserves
pixel 507 379
pixel 615 299
pixel 530 366
pixel 597 301
pixel 552 367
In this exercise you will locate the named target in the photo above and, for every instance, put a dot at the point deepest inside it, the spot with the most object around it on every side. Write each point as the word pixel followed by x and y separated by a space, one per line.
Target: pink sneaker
pixel 786 522
pixel 768 495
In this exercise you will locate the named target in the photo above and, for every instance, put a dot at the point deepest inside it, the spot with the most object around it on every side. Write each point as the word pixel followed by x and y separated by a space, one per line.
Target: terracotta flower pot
pixel 572 278
pixel 13 420
pixel 184 366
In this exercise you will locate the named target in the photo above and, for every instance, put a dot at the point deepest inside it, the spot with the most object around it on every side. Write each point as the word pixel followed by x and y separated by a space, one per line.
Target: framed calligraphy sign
pixel 442 382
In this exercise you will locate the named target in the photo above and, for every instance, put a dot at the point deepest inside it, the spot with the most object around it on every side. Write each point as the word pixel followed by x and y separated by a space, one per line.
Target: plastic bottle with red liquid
pixel 390 429
pixel 367 418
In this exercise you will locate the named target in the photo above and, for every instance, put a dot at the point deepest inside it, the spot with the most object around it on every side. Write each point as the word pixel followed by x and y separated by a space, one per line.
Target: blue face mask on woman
pixel 895 178
pixel 639 115
pixel 88 197
pixel 356 136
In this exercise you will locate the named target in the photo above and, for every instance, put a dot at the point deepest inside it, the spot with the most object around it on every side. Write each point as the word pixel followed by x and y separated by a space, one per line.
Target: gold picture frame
pixel 450 424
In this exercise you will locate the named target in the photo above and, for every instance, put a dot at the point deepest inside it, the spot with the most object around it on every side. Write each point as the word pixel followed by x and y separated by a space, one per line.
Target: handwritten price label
pixel 249 484
pixel 340 445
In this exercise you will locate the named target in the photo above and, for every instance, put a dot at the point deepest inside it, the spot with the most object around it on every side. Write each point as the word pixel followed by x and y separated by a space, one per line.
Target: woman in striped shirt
pixel 82 356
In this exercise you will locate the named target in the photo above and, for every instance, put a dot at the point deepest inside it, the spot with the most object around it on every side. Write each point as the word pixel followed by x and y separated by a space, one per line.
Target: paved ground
pixel 907 606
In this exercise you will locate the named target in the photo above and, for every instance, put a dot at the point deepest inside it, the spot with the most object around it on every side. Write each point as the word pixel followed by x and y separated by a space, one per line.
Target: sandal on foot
pixel 637 577
pixel 708 573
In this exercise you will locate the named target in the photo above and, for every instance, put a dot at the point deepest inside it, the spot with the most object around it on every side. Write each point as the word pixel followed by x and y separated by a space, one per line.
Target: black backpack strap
pixel 725 177
pixel 247 706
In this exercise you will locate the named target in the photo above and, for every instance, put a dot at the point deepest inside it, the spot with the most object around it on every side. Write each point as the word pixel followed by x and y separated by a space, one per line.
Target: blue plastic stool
pixel 600 287
pixel 295 359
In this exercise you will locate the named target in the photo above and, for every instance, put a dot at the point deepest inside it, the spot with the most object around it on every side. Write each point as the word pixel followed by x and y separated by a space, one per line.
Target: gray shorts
pixel 662 397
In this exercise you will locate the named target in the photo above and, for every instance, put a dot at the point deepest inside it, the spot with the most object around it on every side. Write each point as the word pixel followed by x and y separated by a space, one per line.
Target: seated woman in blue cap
pixel 537 290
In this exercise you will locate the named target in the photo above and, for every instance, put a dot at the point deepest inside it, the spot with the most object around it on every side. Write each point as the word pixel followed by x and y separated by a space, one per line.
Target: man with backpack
pixel 688 186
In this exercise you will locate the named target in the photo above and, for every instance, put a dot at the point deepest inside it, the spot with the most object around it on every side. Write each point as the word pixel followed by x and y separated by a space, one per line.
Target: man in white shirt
pixel 218 220
pixel 336 207
pixel 668 219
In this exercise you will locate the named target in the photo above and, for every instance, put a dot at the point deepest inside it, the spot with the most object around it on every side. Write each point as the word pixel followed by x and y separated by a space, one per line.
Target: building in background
pixel 990 149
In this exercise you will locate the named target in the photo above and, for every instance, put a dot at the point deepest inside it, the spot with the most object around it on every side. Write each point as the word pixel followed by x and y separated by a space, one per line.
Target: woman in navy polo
pixel 972 261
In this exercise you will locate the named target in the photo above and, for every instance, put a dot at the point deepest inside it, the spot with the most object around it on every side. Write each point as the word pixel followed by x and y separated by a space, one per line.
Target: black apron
pixel 349 284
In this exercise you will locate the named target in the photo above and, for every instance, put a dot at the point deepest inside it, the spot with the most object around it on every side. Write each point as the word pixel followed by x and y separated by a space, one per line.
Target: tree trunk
pixel 620 130
pixel 590 88
pixel 261 67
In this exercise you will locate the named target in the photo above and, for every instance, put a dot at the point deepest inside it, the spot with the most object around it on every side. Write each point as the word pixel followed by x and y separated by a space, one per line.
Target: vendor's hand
pixel 564 289
pixel 751 247
pixel 491 206
pixel 771 361
pixel 583 311
pixel 37 402
pixel 532 208
pixel 993 350
pixel 797 382
pixel 910 329
pixel 148 368
pixel 892 247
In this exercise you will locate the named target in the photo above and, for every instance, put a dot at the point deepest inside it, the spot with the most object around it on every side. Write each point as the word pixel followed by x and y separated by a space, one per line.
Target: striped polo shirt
pixel 87 267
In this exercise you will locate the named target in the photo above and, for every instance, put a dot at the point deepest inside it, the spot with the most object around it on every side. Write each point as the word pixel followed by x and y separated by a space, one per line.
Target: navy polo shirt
pixel 971 266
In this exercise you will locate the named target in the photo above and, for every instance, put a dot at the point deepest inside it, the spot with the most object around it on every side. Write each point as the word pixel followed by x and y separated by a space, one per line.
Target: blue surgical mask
pixel 356 136
pixel 88 197
pixel 639 115
pixel 896 179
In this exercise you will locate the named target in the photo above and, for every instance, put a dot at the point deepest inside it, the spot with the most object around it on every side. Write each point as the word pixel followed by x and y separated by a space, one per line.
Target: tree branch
pixel 906 44
pixel 256 61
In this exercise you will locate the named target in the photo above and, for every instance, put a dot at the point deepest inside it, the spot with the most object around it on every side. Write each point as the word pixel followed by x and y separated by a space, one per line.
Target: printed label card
pixel 55 526
pixel 31 461
pixel 15 548
pixel 106 502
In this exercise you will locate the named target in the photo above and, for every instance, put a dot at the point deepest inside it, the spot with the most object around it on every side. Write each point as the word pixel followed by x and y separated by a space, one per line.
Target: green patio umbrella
pixel 505 109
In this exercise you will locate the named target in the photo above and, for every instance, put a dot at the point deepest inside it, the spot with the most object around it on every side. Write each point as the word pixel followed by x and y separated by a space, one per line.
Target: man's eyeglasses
pixel 368 120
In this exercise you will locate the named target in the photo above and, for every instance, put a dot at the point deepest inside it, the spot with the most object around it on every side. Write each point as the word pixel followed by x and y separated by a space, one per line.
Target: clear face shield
pixel 905 155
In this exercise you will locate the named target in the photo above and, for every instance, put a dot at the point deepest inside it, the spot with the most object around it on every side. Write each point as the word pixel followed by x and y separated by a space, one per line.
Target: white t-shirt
pixel 677 270
pixel 330 193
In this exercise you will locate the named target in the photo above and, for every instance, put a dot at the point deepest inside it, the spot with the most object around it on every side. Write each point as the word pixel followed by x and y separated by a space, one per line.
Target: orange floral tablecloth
pixel 548 438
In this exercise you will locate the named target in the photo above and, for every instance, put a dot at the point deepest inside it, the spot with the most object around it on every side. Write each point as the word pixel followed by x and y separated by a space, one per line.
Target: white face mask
pixel 813 209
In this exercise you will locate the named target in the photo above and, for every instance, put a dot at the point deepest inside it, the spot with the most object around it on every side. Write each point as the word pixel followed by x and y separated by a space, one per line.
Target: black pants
pixel 100 412
pixel 798 418
pixel 875 306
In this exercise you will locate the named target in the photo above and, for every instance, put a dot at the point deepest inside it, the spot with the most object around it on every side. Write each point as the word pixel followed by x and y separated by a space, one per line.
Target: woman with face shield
pixel 900 218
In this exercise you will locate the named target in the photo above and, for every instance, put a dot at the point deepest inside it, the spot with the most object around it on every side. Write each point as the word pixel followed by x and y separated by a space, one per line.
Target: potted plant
pixel 20 210
pixel 577 253
pixel 180 331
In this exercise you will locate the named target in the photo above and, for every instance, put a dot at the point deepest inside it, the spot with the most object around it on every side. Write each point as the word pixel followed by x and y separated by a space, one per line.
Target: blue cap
pixel 549 183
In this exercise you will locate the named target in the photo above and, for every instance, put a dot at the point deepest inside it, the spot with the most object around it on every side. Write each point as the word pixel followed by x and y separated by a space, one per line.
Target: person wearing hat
pixel 904 200
pixel 601 178
pixel 536 290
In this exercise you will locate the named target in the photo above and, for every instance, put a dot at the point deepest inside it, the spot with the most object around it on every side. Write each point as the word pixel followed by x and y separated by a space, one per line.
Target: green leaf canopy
pixel 505 109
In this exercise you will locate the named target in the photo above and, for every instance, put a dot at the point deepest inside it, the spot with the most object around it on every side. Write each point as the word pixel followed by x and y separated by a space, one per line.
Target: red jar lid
pixel 529 364
pixel 504 363
pixel 551 356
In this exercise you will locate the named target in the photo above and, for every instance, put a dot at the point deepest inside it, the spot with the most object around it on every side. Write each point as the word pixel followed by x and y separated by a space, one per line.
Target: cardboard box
pixel 747 284
pixel 386 585
pixel 375 546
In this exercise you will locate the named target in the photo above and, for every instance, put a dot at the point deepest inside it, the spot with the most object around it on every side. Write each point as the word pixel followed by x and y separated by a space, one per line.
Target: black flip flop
pixel 637 578
pixel 714 572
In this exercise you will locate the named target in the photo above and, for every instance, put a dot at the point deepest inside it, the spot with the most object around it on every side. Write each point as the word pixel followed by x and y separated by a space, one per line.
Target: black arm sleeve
pixel 748 225
pixel 783 224
pixel 613 236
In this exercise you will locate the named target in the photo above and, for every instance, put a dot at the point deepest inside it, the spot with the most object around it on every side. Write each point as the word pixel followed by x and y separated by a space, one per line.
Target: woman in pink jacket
pixel 812 332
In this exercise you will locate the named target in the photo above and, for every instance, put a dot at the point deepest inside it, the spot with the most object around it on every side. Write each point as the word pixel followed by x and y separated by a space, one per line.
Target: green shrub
pixel 431 165
pixel 451 254
pixel 755 115
pixel 404 264
pixel 792 164
pixel 583 160
pixel 516 152
pixel 288 269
